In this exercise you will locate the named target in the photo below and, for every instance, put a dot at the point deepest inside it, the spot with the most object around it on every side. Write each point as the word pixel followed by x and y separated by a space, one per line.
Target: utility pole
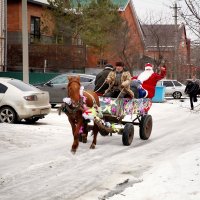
pixel 175 41
pixel 176 45
pixel 25 42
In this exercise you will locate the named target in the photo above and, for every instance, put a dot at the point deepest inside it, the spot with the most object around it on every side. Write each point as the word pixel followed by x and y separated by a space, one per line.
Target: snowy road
pixel 36 162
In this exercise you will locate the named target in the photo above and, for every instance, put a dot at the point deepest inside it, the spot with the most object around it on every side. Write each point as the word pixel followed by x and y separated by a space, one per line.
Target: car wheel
pixel 7 115
pixel 32 120
pixel 53 105
pixel 177 95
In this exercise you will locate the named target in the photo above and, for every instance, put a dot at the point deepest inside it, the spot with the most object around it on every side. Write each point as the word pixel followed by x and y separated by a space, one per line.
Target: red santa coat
pixel 151 82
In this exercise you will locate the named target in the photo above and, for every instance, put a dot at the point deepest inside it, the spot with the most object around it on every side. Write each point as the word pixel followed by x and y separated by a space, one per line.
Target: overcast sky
pixel 145 7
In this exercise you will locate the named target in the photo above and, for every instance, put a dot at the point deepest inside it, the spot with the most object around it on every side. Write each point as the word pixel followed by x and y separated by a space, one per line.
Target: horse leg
pixel 72 123
pixel 95 132
pixel 76 136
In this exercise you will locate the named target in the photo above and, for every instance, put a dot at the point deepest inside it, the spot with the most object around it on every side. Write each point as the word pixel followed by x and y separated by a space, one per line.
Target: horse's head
pixel 73 89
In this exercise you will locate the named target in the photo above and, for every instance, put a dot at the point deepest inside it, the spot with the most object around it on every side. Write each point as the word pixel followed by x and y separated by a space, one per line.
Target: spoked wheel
pixel 177 95
pixel 7 115
pixel 128 134
pixel 146 127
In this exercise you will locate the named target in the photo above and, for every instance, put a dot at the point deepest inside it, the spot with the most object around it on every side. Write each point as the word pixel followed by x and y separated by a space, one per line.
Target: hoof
pixel 92 146
pixel 84 138
pixel 73 151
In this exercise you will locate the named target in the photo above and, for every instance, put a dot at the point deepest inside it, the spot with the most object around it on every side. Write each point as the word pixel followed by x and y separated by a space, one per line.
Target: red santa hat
pixel 148 66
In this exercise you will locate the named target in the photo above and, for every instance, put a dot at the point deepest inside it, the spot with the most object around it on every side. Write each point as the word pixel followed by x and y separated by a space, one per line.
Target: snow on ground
pixel 36 162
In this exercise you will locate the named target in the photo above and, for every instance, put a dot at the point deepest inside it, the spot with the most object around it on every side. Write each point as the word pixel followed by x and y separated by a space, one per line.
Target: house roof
pixel 120 3
pixel 163 36
pixel 38 2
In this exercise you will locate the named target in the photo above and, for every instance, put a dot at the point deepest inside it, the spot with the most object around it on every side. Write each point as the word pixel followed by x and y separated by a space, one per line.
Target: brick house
pixel 166 42
pixel 136 40
pixel 70 56
pixel 42 47
pixel 65 56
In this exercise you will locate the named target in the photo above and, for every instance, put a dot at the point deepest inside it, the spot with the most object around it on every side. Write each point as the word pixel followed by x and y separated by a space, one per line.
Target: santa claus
pixel 146 81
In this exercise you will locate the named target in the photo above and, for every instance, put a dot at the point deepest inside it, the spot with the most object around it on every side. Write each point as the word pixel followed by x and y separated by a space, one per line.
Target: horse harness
pixel 70 109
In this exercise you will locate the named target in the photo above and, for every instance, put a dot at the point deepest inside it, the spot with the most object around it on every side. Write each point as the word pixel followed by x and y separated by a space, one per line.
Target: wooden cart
pixel 121 114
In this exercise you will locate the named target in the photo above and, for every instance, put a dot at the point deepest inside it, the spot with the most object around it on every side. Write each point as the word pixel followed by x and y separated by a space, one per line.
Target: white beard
pixel 145 75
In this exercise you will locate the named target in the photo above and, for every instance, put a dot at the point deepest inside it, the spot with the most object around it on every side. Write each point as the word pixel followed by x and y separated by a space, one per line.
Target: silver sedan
pixel 19 100
pixel 57 87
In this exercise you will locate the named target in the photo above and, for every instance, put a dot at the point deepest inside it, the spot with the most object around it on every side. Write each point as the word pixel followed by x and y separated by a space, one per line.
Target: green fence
pixel 34 77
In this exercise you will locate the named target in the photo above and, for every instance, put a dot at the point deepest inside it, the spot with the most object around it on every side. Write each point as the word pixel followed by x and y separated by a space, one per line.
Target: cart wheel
pixel 128 133
pixel 103 132
pixel 146 127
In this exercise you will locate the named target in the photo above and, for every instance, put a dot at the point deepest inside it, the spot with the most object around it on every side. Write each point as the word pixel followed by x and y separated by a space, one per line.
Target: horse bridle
pixel 71 108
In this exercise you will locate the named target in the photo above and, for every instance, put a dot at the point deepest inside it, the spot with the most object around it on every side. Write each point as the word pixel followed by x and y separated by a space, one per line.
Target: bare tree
pixel 125 46
pixel 191 15
pixel 160 40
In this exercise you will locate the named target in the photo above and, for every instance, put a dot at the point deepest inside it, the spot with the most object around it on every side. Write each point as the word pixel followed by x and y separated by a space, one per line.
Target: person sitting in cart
pixel 119 81
pixel 100 83
pixel 147 80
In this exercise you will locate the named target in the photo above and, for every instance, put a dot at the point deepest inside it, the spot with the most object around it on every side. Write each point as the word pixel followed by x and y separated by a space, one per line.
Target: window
pixel 22 86
pixel 168 83
pixel 3 88
pixel 77 40
pixel 62 79
pixel 176 83
pixel 85 79
pixel 35 29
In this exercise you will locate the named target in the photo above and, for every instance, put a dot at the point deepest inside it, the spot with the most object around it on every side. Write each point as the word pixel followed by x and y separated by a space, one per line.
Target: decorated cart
pixel 121 114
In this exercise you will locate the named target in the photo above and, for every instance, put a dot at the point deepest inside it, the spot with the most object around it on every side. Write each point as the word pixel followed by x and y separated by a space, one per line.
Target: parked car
pixel 57 87
pixel 173 88
pixel 19 100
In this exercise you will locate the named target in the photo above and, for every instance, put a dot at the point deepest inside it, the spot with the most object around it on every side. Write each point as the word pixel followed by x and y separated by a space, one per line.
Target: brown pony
pixel 74 111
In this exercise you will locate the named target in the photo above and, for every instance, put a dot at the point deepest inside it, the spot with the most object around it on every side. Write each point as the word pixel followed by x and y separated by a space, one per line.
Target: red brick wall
pixel 15 15
pixel 136 39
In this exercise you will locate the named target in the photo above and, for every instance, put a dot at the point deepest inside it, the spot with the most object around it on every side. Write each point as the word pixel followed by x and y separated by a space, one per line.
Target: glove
pixel 123 85
pixel 108 80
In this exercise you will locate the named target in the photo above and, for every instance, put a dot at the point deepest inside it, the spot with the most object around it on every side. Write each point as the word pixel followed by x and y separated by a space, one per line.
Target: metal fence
pixel 48 58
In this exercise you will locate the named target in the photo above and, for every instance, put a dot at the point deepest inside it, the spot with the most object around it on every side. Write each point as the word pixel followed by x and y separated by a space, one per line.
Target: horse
pixel 75 110
pixel 192 89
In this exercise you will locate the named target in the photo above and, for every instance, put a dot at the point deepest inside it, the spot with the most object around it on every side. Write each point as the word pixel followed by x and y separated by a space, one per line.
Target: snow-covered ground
pixel 36 162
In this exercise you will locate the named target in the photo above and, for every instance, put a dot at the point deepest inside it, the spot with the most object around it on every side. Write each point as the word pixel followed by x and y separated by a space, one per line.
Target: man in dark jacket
pixel 100 84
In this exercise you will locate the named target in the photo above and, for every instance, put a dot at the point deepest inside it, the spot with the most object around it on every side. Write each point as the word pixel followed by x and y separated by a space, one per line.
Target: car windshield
pixel 22 86
pixel 176 83
pixel 60 79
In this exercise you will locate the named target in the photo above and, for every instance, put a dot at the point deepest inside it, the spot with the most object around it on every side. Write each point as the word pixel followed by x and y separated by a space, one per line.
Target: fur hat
pixel 148 66
pixel 108 66
pixel 119 64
